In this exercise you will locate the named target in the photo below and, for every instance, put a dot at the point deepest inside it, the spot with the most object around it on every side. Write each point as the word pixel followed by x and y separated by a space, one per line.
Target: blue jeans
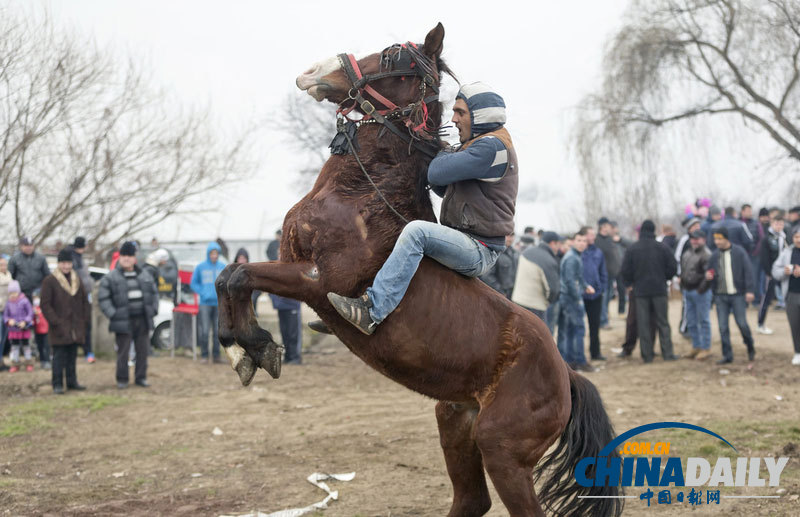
pixel 607 295
pixel 571 331
pixel 727 303
pixel 698 318
pixel 551 317
pixel 208 317
pixel 451 248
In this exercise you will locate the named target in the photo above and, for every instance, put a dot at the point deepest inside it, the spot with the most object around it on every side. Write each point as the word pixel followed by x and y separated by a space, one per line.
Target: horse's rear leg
pixel 519 421
pixel 463 458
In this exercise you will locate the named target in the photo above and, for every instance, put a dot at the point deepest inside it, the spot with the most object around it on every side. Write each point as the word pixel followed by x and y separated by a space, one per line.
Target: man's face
pixel 26 248
pixel 565 245
pixel 65 267
pixel 747 212
pixel 80 250
pixel 721 242
pixel 605 230
pixel 579 243
pixel 213 256
pixel 777 225
pixel 697 242
pixel 695 226
pixel 554 246
pixel 793 217
pixel 590 237
pixel 716 217
pixel 763 219
pixel 462 120
pixel 509 239
pixel 127 261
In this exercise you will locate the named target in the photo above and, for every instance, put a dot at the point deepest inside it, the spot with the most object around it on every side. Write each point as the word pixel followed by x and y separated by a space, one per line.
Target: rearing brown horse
pixel 505 394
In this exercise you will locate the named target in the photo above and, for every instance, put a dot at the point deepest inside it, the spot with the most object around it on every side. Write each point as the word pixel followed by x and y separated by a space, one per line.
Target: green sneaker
pixel 354 310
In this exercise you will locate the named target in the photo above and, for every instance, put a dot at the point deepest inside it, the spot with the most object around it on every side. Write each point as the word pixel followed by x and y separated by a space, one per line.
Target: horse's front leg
pixel 291 280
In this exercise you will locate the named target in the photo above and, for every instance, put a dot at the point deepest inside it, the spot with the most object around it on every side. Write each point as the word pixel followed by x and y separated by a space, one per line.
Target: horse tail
pixel 588 431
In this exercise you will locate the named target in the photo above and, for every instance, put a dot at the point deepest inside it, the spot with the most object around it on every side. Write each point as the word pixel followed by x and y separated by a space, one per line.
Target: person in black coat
pixel 129 299
pixel 647 266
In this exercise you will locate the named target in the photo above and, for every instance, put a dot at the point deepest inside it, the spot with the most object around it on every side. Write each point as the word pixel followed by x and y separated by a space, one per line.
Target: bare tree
pixel 310 126
pixel 86 147
pixel 676 64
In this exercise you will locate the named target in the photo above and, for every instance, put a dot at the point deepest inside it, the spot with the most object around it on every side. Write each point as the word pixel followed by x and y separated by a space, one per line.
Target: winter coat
pixel 756 233
pixel 113 298
pixel 205 275
pixel 611 254
pixel 594 271
pixel 40 324
pixel 647 266
pixel 743 279
pixel 5 279
pixel 273 248
pixel 66 307
pixel 537 285
pixel 573 284
pixel 783 260
pixel 670 241
pixel 18 310
pixel 693 269
pixel 28 270
pixel 502 275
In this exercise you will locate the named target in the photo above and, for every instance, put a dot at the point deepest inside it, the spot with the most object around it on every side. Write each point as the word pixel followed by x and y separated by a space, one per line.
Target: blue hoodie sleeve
pixel 195 282
pixel 486 159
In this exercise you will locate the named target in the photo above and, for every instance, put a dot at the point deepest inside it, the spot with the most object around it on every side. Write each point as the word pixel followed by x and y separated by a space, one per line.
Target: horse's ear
pixel 433 41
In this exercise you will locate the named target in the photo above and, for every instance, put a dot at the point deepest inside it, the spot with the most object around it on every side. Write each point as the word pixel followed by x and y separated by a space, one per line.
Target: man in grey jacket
pixel 28 267
pixel 537 285
pixel 128 297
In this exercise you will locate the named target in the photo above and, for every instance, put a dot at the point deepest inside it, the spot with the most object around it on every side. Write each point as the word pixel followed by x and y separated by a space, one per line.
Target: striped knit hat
pixel 487 110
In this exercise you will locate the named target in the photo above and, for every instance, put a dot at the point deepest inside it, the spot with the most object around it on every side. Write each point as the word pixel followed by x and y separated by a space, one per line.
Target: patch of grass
pixel 36 415
pixel 7 483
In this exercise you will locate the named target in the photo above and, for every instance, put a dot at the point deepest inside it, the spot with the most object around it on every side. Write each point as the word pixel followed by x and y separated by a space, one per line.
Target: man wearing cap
pixel 537 285
pixel 605 242
pixel 714 217
pixel 81 268
pixel 65 304
pixel 697 295
pixel 732 280
pixel 479 185
pixel 28 267
pixel 128 297
pixel 647 266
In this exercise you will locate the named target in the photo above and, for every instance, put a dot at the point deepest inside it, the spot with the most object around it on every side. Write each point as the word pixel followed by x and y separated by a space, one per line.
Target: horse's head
pixel 396 77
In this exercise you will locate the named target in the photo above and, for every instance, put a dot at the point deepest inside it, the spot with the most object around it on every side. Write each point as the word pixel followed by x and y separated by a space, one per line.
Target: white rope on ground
pixel 318 480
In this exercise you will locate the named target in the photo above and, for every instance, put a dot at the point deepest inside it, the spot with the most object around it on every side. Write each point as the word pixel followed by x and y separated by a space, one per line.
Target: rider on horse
pixel 479 185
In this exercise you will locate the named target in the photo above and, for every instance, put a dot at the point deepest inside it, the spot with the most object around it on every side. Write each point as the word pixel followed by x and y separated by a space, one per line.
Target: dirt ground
pixel 152 451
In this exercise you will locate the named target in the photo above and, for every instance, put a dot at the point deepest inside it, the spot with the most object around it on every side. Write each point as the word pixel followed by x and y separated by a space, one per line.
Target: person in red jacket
pixel 40 331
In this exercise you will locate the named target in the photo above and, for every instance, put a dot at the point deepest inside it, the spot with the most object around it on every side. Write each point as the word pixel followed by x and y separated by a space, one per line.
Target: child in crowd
pixel 18 317
pixel 40 330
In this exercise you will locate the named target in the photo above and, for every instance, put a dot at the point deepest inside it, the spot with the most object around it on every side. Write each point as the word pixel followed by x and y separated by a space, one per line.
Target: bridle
pixel 400 60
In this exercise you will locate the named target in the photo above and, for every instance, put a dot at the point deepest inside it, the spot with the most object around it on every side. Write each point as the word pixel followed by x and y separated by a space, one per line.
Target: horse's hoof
pixel 270 359
pixel 241 363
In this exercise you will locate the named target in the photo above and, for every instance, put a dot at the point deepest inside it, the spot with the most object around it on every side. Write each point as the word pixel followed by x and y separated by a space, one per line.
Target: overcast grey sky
pixel 242 57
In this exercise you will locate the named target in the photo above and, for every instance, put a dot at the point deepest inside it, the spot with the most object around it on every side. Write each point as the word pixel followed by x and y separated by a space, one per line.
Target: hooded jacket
pixel 204 276
pixel 481 178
